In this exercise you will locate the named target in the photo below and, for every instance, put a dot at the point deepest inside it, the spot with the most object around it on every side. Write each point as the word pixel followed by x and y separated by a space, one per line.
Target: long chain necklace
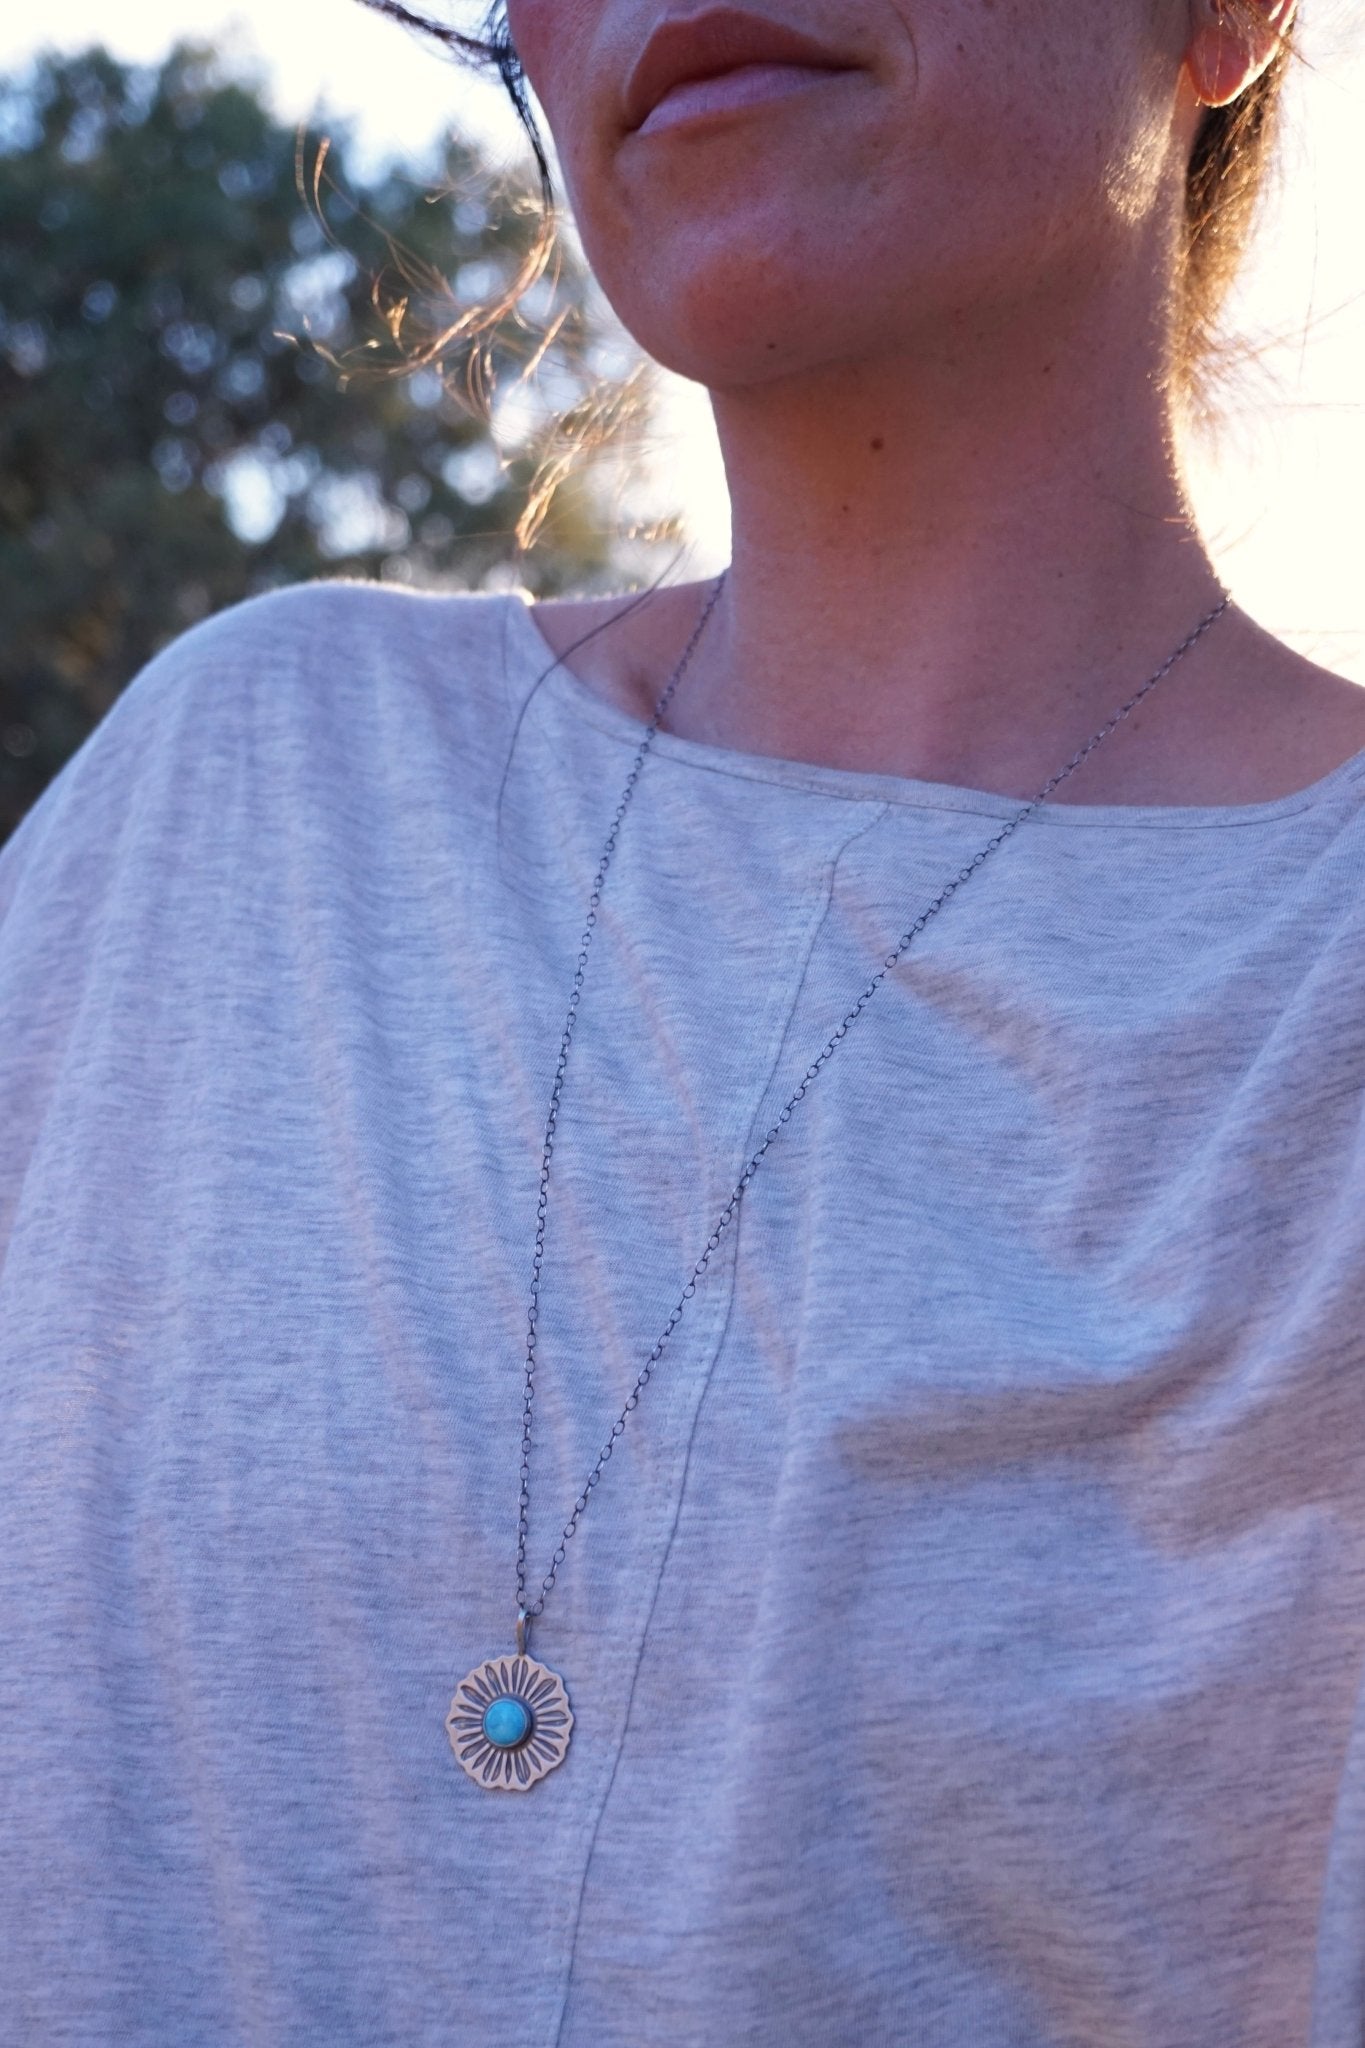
pixel 510 1720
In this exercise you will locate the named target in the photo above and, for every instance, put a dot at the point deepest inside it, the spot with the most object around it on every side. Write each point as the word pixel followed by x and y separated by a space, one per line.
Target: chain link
pixel 527 1612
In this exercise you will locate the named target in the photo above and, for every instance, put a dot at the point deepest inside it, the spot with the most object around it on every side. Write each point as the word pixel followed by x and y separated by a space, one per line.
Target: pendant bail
pixel 522 1619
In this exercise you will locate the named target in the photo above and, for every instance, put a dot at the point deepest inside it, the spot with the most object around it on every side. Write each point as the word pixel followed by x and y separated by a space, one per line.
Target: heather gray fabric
pixel 967 1637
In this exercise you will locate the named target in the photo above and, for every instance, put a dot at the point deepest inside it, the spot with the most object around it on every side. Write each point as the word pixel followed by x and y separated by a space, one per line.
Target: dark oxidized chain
pixel 526 1614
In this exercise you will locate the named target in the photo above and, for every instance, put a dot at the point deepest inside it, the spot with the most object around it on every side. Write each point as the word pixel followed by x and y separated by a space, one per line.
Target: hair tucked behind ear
pixel 1226 177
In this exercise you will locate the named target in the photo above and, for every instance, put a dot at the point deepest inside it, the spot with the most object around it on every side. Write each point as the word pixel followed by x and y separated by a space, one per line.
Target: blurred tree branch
pixel 188 292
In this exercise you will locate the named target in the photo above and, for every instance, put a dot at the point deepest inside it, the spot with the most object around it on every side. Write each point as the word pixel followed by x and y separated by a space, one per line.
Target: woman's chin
pixel 713 333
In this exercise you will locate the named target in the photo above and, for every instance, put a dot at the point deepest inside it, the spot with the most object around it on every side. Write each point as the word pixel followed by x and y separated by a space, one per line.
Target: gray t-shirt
pixel 966 1638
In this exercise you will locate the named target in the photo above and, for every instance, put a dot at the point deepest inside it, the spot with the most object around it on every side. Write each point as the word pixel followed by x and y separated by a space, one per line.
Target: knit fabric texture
pixel 966 1638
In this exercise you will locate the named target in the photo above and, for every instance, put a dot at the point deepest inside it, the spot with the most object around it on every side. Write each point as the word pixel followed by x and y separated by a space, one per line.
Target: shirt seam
pixel 604 718
pixel 717 1345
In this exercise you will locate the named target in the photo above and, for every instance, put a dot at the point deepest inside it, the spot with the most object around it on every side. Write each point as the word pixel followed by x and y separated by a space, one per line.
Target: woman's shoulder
pixel 301 684
pixel 323 643
pixel 268 785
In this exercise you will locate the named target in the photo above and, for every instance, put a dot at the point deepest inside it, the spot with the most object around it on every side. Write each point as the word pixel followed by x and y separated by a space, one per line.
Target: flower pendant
pixel 509 1723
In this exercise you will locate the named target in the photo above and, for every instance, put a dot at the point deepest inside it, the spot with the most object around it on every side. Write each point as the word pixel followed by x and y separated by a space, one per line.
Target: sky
pixel 1282 499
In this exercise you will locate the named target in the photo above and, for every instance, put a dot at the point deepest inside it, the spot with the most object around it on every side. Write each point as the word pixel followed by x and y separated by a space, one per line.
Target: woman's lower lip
pixel 748 86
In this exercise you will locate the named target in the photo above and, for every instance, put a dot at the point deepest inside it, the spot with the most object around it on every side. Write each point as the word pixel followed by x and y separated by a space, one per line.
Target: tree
pixel 184 285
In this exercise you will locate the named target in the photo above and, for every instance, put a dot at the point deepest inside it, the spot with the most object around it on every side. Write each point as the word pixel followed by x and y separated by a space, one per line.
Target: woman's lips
pixel 747 86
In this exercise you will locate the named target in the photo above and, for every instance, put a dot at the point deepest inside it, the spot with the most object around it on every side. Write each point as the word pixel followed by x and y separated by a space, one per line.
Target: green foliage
pixel 183 284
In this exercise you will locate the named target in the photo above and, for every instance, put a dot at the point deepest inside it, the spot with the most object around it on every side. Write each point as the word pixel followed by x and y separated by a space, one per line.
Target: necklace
pixel 510 1720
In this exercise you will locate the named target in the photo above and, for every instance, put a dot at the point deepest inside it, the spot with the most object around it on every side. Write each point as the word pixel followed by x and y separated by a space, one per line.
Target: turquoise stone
pixel 506 1722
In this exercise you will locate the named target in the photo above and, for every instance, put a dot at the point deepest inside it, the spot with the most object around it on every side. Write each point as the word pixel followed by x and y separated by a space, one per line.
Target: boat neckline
pixel 811 778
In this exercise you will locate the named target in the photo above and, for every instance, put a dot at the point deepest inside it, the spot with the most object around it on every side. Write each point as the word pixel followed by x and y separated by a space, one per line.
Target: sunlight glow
pixel 1282 498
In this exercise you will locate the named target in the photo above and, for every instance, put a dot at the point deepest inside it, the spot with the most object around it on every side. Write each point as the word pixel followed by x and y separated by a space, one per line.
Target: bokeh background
pixel 223 231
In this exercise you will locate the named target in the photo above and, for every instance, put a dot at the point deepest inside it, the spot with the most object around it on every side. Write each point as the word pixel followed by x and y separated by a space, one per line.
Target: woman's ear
pixel 1231 43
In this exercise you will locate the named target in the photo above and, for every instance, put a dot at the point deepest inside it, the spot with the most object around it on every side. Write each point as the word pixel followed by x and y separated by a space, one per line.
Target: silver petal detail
pixel 542 1693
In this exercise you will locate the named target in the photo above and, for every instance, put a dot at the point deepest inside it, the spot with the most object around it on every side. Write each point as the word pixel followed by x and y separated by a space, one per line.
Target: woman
pixel 961 1630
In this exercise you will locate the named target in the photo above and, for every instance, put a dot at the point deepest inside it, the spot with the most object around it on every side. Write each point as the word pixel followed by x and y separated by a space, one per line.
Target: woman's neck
pixel 955 565
pixel 963 562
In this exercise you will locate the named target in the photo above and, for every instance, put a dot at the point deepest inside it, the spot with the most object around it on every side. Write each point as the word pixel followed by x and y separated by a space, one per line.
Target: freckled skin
pixel 707 252
pixel 934 303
